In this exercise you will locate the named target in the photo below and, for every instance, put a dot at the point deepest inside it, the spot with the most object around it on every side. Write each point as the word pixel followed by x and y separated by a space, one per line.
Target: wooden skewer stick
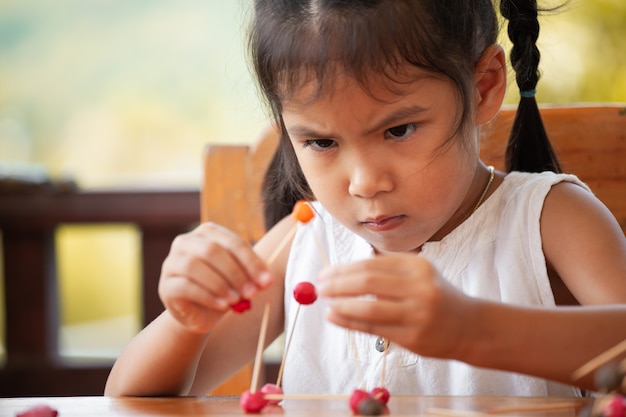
pixel 386 344
pixel 355 351
pixel 321 250
pixel 282 362
pixel 256 370
pixel 297 215
pixel 282 244
pixel 279 397
pixel 556 406
pixel 599 360
pixel 293 325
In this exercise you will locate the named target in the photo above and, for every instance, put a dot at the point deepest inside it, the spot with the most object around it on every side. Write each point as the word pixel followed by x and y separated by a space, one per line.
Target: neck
pixel 479 191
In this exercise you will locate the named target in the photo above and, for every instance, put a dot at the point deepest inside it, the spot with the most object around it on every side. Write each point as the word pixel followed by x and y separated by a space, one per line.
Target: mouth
pixel 384 223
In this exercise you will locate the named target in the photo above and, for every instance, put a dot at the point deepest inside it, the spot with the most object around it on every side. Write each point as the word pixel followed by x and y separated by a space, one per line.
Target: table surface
pixel 337 407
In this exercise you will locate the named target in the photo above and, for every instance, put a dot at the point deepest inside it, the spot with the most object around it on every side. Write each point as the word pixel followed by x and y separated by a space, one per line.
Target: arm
pixel 160 360
pixel 198 342
pixel 585 246
pixel 548 343
pixel 419 310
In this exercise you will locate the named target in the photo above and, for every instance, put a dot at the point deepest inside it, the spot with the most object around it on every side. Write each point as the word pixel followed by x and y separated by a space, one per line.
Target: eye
pixel 402 131
pixel 319 144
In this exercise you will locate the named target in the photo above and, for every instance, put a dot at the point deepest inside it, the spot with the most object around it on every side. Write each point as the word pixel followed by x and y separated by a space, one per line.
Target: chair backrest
pixel 590 142
pixel 231 190
pixel 230 196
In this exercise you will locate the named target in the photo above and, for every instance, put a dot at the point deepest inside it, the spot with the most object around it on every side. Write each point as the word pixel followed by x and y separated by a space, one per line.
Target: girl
pixel 434 257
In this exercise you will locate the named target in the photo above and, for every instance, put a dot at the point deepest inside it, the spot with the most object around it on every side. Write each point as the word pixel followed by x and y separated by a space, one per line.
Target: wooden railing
pixel 28 221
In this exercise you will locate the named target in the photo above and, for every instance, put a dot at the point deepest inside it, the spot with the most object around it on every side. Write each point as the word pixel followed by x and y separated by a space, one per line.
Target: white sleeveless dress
pixel 495 254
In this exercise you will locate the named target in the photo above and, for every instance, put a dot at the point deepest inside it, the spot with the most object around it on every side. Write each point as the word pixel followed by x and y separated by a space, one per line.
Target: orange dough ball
pixel 302 211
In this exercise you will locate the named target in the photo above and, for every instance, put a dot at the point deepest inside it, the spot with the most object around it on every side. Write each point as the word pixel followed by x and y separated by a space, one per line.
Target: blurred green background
pixel 118 93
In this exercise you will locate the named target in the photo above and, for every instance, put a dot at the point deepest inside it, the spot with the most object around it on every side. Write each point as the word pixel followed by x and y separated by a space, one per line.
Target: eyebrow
pixel 391 120
pixel 396 117
pixel 300 130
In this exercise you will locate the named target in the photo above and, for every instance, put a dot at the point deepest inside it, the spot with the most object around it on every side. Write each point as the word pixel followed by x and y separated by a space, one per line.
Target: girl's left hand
pixel 402 298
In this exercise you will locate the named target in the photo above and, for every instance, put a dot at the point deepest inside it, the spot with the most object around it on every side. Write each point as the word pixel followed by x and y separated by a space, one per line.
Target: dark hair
pixel 295 41
pixel 528 148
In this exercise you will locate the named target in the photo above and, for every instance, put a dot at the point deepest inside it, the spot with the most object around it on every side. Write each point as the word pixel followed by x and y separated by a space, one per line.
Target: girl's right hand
pixel 206 271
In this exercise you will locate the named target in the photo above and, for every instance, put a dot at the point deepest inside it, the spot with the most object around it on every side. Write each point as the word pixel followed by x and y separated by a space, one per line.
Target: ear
pixel 490 83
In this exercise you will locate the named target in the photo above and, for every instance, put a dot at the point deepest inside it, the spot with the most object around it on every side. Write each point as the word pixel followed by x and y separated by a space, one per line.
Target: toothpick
pixel 282 244
pixel 288 237
pixel 320 249
pixel 386 344
pixel 599 360
pixel 282 362
pixel 259 349
pixel 279 397
pixel 356 358
pixel 293 325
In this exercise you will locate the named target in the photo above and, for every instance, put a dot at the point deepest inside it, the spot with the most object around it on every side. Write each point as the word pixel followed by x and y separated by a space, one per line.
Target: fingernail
pixel 321 287
pixel 232 297
pixel 323 275
pixel 248 290
pixel 264 279
pixel 221 304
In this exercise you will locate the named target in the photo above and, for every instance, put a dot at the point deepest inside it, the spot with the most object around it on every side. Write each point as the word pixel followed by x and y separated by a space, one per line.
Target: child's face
pixel 385 167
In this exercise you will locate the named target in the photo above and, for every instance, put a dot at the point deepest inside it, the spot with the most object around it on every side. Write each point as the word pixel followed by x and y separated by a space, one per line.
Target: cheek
pixel 324 180
pixel 326 177
pixel 447 178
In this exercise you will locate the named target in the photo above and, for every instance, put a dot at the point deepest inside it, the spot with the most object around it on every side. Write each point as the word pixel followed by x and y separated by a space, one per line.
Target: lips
pixel 384 223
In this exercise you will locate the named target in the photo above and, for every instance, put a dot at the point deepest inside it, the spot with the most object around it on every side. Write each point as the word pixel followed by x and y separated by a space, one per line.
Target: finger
pixel 182 288
pixel 376 320
pixel 379 328
pixel 241 261
pixel 377 311
pixel 201 274
pixel 393 277
pixel 357 279
pixel 226 255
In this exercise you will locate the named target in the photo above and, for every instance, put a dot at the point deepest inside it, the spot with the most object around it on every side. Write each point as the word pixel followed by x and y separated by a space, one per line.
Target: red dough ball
pixel 614 407
pixel 302 211
pixel 304 293
pixel 358 395
pixel 41 410
pixel 252 402
pixel 371 407
pixel 241 305
pixel 381 394
pixel 272 389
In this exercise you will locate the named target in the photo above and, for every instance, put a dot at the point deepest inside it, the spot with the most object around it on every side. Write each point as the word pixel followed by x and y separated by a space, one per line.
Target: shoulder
pixel 542 182
pixel 572 203
pixel 523 192
pixel 520 197
pixel 584 243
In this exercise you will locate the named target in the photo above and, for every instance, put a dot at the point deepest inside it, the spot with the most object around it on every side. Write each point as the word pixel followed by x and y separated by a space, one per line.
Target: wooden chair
pixel 230 196
pixel 590 142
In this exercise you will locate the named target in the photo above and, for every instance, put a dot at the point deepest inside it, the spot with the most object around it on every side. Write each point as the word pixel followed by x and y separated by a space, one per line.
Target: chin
pixel 386 246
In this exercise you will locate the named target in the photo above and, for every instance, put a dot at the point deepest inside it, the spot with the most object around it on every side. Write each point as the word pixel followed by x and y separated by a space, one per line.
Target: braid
pixel 529 148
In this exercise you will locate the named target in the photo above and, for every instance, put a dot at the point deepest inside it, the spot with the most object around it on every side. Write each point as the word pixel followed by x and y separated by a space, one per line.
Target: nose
pixel 370 176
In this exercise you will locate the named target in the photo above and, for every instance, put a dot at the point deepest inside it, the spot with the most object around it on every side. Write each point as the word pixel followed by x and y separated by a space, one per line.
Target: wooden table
pixel 229 406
